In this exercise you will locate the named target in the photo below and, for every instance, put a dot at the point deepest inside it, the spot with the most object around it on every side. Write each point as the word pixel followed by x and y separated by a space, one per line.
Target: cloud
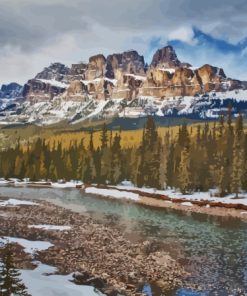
pixel 185 34
pixel 208 50
pixel 35 33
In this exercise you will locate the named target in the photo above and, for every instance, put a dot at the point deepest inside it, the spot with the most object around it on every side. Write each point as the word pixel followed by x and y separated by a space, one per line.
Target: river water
pixel 212 249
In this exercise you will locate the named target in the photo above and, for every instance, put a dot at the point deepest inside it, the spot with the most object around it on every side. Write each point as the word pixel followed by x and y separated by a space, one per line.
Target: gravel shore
pixel 100 255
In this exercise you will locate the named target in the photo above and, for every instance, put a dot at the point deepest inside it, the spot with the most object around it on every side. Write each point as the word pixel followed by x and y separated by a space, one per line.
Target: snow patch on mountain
pixel 54 82
pixel 46 112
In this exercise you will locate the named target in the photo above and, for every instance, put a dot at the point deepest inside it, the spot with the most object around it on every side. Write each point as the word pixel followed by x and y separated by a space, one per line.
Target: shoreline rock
pixel 100 254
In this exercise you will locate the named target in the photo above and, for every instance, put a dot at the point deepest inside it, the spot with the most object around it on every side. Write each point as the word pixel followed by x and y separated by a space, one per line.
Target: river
pixel 212 249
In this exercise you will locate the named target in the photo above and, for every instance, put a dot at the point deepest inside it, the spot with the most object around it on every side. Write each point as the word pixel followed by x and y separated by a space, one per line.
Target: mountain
pixel 123 85
pixel 10 91
pixel 9 94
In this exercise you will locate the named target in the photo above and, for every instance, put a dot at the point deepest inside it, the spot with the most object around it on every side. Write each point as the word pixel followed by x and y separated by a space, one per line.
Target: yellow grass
pixel 131 138
pixel 128 138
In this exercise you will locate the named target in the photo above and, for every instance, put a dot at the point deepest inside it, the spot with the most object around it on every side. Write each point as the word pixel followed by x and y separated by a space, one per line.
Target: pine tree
pixel 104 137
pixel 237 169
pixel 245 162
pixel 170 167
pixel 68 165
pixel 18 172
pixel 184 171
pixel 89 173
pixel 116 160
pixel 91 145
pixel 140 163
pixel 10 282
pixel 221 125
pixel 238 157
pixel 229 118
pixel 149 160
pixel 222 181
pixel 53 172
pixel 42 167
pixel 183 136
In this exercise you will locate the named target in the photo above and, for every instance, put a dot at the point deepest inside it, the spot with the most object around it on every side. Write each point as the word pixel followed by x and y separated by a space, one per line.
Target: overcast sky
pixel 35 33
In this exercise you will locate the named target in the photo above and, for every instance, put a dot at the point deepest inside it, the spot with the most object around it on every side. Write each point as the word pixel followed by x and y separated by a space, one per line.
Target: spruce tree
pixel 116 160
pixel 104 137
pixel 149 160
pixel 42 167
pixel 222 181
pixel 184 177
pixel 10 282
pixel 238 157
pixel 53 171
pixel 170 166
pixel 140 162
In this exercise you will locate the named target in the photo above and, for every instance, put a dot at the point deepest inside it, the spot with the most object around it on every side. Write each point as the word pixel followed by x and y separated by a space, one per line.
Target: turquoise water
pixel 212 249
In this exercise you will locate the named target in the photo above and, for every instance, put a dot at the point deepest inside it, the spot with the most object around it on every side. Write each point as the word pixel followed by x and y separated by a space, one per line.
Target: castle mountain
pixel 121 84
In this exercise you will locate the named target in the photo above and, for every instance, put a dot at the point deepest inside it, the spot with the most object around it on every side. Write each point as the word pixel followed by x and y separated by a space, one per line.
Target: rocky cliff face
pixel 165 58
pixel 55 71
pixel 125 76
pixel 127 62
pixel 10 91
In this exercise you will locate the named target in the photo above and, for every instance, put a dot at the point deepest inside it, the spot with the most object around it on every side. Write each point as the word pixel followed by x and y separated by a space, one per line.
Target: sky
pixel 35 33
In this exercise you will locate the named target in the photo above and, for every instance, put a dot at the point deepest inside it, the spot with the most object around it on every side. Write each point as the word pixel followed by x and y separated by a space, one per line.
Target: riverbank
pixel 198 202
pixel 216 206
pixel 100 254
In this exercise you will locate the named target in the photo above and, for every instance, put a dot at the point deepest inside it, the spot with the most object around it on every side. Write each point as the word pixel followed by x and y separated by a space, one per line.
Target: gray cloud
pixel 35 33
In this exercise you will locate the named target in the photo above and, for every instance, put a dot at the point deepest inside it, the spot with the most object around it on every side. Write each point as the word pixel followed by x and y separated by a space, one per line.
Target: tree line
pixel 197 158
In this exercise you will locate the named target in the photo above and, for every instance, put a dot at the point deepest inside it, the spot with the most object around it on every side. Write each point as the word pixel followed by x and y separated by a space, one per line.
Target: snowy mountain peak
pixel 121 85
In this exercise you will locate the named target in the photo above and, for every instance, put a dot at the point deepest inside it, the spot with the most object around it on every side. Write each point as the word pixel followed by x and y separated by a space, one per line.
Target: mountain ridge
pixel 121 84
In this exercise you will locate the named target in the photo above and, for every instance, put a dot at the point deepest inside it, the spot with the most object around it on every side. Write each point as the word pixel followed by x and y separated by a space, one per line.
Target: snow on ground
pixel 50 227
pixel 16 202
pixel 27 182
pixel 208 196
pixel 29 246
pixel 113 193
pixel 4 182
pixel 40 284
pixel 195 196
pixel 187 204
pixel 67 184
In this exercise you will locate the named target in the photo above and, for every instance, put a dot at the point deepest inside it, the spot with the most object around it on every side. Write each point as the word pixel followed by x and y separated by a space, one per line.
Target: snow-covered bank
pixel 4 182
pixel 205 196
pixel 40 284
pixel 30 247
pixel 26 182
pixel 71 184
pixel 50 227
pixel 112 193
pixel 175 195
pixel 15 202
